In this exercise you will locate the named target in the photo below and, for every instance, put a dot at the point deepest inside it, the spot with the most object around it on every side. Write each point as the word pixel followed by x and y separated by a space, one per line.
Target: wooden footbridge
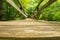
pixel 29 28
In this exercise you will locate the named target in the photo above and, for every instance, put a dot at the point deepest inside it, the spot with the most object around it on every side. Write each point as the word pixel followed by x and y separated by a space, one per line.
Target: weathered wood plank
pixel 29 28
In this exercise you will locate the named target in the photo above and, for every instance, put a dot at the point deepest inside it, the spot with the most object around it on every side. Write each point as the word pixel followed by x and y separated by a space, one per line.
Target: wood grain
pixel 29 28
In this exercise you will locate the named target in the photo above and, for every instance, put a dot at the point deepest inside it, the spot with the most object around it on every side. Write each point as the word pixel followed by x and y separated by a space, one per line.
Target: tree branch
pixel 37 8
pixel 21 6
pixel 15 6
pixel 45 6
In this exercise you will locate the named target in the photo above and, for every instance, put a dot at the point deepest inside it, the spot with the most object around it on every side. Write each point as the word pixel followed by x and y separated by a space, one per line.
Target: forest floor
pixel 29 28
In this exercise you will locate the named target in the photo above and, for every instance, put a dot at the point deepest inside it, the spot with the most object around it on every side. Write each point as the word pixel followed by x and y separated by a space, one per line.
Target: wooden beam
pixel 29 29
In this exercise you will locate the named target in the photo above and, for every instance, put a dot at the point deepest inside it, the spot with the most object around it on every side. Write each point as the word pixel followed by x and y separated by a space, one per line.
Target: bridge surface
pixel 29 28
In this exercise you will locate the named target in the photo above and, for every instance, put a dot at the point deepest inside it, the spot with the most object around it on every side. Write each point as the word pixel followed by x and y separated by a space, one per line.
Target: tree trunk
pixel 39 10
pixel 1 4
pixel 44 6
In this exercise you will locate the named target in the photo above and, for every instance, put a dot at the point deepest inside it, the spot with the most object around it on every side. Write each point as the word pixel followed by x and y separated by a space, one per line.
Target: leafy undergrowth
pixel 52 13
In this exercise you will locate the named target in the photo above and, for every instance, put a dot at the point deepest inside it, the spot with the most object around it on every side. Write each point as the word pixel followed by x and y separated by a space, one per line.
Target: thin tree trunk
pixel 16 7
pixel 44 6
pixel 36 9
pixel 1 4
pixel 22 8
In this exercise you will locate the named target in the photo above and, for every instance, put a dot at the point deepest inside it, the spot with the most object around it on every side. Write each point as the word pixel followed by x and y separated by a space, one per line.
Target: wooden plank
pixel 29 28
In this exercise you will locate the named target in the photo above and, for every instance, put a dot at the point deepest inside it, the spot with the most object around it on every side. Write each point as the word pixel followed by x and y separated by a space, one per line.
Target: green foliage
pixel 8 11
pixel 52 13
